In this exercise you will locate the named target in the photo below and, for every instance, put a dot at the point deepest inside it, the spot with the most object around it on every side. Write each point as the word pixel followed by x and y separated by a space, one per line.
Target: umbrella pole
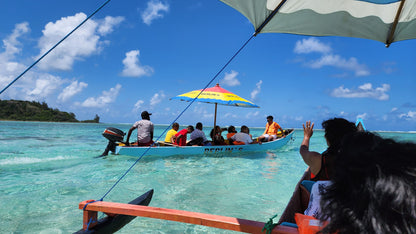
pixel 215 118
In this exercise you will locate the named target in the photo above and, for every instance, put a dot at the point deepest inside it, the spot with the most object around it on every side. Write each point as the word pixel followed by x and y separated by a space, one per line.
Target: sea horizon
pixel 205 126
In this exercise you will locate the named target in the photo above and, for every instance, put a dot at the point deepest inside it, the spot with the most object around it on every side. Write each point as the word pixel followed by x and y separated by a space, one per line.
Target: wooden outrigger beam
pixel 216 221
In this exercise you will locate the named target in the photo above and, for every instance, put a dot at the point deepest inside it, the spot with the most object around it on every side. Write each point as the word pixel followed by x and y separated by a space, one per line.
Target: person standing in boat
pixel 182 135
pixel 321 165
pixel 144 130
pixel 271 131
pixel 198 137
pixel 170 135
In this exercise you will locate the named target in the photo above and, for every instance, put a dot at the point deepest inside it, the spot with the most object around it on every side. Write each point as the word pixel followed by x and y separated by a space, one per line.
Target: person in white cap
pixel 144 130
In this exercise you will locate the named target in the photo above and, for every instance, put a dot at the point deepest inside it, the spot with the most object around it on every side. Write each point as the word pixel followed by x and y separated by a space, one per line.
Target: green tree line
pixel 36 111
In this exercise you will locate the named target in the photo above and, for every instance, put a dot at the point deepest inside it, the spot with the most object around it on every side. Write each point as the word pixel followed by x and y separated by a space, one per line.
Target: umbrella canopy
pixel 386 21
pixel 216 95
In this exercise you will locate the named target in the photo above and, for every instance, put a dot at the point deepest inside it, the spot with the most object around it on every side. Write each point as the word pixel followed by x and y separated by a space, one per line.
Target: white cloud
pixel 411 115
pixel 363 91
pixel 8 71
pixel 38 85
pixel 343 113
pixel 132 66
pixel 328 58
pixel 230 115
pixel 34 85
pixel 108 24
pixel 337 61
pixel 362 116
pixel 154 11
pixel 45 86
pixel 11 44
pixel 306 46
pixel 251 115
pixel 82 43
pixel 71 90
pixel 138 105
pixel 202 112
pixel 157 98
pixel 230 79
pixel 105 98
pixel 298 118
pixel 257 90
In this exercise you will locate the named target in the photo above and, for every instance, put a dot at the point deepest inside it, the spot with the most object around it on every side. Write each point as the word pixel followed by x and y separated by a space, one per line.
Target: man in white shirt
pixel 243 136
pixel 144 130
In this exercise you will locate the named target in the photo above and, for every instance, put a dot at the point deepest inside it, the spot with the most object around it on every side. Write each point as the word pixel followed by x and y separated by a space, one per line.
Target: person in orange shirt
pixel 272 128
pixel 231 132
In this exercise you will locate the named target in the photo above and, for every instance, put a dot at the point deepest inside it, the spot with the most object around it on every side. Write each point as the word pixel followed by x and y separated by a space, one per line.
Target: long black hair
pixel 373 187
pixel 336 129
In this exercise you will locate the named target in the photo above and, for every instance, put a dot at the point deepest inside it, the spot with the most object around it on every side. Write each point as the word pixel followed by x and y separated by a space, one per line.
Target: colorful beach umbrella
pixel 216 95
pixel 386 21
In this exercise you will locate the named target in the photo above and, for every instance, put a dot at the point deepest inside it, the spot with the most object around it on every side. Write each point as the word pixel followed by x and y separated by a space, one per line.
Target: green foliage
pixel 35 111
pixel 95 120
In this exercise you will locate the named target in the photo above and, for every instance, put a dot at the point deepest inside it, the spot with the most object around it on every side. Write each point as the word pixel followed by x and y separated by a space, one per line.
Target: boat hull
pixel 217 150
pixel 113 223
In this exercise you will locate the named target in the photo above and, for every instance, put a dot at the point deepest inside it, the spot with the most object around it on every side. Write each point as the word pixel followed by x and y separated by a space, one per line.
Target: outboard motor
pixel 113 135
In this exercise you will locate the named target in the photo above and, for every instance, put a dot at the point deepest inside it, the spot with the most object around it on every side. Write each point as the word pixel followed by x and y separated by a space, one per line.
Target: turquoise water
pixel 46 169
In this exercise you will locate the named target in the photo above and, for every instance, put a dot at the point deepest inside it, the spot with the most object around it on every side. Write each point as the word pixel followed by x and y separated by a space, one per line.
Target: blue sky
pixel 135 55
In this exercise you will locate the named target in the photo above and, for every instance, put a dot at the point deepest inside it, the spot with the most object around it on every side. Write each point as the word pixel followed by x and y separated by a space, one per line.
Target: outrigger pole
pixel 209 220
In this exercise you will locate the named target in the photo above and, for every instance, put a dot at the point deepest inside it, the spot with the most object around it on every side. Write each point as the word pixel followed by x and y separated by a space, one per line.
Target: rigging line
pixel 186 108
pixel 53 47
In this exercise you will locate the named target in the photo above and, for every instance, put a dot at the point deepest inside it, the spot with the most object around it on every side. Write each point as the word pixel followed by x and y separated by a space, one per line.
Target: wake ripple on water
pixel 29 160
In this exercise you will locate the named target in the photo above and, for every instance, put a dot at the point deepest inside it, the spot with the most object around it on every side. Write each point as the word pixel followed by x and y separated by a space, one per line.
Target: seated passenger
pixel 271 133
pixel 243 137
pixel 314 206
pixel 373 187
pixel 182 134
pixel 170 136
pixel 321 164
pixel 231 131
pixel 217 139
pixel 198 136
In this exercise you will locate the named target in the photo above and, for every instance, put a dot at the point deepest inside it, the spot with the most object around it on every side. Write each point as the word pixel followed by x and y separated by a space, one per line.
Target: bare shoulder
pixel 311 158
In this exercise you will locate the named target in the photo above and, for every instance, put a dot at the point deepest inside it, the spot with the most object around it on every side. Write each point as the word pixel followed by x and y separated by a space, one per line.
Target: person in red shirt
pixel 182 135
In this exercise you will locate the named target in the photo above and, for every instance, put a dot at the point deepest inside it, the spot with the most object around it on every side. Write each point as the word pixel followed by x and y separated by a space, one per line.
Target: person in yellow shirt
pixel 271 131
pixel 170 136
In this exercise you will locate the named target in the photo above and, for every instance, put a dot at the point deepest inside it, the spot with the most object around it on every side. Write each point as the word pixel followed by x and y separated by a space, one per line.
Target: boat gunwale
pixel 213 149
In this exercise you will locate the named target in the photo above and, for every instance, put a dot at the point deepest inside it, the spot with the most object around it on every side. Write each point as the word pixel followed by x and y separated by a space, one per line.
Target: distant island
pixel 36 111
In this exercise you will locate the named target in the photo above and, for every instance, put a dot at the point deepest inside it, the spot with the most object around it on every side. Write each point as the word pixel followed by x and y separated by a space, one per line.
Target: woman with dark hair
pixel 373 187
pixel 321 164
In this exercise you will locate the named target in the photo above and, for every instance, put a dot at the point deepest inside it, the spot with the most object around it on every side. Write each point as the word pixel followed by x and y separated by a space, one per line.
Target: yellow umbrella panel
pixel 216 95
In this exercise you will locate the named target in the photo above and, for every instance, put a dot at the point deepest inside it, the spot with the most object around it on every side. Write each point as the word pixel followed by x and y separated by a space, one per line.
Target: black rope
pixel 53 47
pixel 186 108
